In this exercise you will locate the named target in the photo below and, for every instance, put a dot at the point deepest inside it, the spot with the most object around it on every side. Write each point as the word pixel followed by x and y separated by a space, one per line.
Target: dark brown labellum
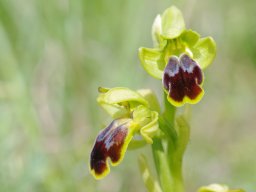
pixel 182 79
pixel 108 144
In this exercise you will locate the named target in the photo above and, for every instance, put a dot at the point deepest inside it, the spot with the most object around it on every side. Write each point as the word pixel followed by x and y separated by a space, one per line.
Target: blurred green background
pixel 55 53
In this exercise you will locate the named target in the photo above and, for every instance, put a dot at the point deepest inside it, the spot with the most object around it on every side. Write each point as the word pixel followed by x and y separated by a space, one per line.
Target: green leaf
pixel 172 23
pixel 151 184
pixel 204 51
pixel 152 61
pixel 183 130
pixel 190 37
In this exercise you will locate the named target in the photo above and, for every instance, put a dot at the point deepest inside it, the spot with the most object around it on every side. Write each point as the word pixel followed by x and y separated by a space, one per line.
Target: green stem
pixel 176 156
pixel 161 165
pixel 175 165
pixel 173 155
pixel 169 160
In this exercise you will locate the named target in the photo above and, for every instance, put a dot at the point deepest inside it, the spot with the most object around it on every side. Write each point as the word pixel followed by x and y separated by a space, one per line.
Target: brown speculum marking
pixel 108 144
pixel 182 77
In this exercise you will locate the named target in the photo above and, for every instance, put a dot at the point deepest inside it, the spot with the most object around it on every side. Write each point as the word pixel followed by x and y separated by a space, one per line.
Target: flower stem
pixel 162 167
pixel 177 132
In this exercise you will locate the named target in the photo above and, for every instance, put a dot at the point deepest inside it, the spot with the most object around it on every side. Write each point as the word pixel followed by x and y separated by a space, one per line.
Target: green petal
pixel 152 61
pixel 146 122
pixel 141 116
pixel 151 129
pixel 204 51
pixel 157 30
pixel 190 37
pixel 172 23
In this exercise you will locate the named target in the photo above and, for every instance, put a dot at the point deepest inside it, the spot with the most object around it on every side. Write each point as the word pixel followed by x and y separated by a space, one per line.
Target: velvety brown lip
pixel 182 77
pixel 108 144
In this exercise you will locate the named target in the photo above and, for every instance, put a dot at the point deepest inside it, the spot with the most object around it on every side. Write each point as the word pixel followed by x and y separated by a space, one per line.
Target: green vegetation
pixel 54 55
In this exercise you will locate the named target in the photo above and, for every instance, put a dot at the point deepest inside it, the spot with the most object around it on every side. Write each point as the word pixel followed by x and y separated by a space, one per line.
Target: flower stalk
pixel 176 142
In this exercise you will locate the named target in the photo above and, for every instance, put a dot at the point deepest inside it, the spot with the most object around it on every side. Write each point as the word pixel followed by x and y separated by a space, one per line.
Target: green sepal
pixel 150 96
pixel 115 110
pixel 204 51
pixel 119 101
pixel 152 61
pixel 172 23
pixel 189 37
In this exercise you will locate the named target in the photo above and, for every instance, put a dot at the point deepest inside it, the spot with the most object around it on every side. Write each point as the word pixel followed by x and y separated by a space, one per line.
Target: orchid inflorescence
pixel 178 58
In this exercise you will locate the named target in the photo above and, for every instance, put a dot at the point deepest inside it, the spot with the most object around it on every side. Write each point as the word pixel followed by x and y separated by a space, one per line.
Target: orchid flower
pixel 178 58
pixel 133 114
